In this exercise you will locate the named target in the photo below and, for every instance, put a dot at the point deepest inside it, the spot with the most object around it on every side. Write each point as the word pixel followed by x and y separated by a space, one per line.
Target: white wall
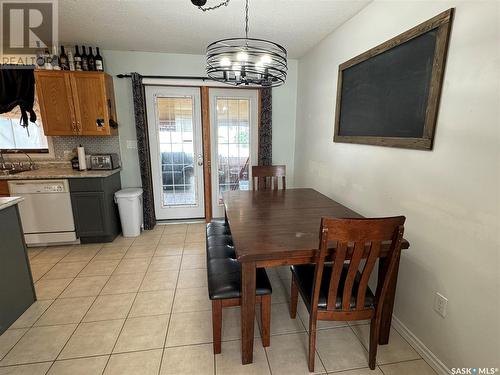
pixel 450 195
pixel 145 63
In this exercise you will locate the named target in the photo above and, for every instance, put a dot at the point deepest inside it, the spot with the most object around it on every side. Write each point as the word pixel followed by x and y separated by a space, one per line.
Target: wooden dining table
pixel 276 228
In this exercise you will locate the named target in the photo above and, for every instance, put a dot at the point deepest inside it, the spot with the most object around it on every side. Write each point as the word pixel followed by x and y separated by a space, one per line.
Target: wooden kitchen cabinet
pixel 76 103
pixel 4 188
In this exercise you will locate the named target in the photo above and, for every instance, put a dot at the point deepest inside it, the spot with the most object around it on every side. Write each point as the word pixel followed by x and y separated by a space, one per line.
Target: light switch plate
pixel 441 304
pixel 132 144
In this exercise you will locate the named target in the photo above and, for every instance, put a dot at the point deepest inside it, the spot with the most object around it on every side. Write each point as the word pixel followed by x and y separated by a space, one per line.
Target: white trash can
pixel 130 207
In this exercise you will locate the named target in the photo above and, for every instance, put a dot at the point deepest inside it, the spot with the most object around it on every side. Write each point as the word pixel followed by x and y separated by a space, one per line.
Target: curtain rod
pixel 166 77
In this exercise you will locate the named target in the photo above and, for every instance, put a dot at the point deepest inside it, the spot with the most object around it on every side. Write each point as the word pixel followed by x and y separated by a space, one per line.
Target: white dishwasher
pixel 46 212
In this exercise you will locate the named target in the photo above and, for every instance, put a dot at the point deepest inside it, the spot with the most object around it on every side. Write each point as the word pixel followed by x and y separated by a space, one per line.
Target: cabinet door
pixel 111 105
pixel 89 92
pixel 88 210
pixel 56 103
pixel 4 188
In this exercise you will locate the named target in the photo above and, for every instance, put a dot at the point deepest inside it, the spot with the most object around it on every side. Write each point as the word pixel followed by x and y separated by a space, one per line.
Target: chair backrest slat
pixel 366 273
pixel 357 255
pixel 356 240
pixel 267 177
pixel 338 265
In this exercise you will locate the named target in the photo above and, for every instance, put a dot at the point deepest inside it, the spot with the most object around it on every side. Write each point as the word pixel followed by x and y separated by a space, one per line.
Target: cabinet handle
pixel 73 127
pixel 78 127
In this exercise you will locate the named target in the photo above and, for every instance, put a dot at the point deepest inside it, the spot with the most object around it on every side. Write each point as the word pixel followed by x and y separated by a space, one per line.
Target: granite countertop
pixel 50 173
pixel 9 201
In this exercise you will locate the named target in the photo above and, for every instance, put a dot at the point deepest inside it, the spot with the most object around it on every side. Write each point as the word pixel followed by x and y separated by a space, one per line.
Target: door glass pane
pixel 175 131
pixel 233 144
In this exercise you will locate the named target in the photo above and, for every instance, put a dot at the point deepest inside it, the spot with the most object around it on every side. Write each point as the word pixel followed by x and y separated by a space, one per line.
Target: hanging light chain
pixel 246 19
pixel 222 4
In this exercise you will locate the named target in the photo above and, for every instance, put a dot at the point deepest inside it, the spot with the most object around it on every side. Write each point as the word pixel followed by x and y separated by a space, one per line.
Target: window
pixel 233 144
pixel 15 137
pixel 175 115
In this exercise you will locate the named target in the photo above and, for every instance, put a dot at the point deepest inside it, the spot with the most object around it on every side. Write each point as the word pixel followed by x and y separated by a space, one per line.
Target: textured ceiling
pixel 177 26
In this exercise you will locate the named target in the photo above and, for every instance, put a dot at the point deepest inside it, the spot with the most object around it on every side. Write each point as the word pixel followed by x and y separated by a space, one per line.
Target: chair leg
pixel 294 296
pixel 217 325
pixel 265 320
pixel 374 336
pixel 312 343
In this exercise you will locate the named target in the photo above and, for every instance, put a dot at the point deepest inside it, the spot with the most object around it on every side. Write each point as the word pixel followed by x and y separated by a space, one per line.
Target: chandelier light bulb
pixel 242 56
pixel 266 59
pixel 225 61
pixel 259 66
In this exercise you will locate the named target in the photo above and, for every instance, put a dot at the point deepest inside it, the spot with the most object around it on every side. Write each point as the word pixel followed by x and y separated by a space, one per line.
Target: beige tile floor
pixel 140 307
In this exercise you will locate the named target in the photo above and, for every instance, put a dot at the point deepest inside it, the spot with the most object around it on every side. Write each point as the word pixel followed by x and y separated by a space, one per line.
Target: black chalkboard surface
pixel 389 95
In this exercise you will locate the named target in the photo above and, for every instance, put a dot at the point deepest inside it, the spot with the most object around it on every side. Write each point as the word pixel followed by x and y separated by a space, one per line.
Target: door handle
pixel 200 160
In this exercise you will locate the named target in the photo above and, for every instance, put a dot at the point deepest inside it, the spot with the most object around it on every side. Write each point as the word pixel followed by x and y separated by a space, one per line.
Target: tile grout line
pixel 53 301
pixel 32 326
pixel 60 261
pixel 172 307
pixel 404 361
pixel 282 282
pixel 128 313
pixel 77 324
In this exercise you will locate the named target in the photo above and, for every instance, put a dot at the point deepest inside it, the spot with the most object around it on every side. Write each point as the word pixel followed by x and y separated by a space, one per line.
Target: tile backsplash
pixel 93 145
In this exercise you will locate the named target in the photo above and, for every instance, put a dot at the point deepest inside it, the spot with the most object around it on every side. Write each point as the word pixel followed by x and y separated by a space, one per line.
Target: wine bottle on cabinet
pixel 91 60
pixel 99 64
pixel 71 60
pixel 48 60
pixel 85 62
pixel 78 60
pixel 63 60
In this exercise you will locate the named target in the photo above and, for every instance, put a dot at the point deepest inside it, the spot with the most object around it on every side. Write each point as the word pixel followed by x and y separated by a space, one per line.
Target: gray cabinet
pixel 16 284
pixel 94 209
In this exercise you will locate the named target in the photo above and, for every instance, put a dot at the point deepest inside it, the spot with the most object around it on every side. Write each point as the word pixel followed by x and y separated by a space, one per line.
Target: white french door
pixel 175 140
pixel 233 132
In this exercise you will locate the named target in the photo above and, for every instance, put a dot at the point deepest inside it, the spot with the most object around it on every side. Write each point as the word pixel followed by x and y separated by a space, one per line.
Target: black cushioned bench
pixel 224 282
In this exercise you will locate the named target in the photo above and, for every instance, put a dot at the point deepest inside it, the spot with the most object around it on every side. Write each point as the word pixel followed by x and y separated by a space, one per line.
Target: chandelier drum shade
pixel 245 61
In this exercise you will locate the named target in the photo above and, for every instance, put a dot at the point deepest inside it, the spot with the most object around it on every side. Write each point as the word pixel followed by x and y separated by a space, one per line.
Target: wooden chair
pixel 224 283
pixel 338 290
pixel 267 177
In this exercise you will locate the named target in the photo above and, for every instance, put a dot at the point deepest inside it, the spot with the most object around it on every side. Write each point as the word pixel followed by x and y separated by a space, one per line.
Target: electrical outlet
pixel 440 304
pixel 132 144
pixel 67 155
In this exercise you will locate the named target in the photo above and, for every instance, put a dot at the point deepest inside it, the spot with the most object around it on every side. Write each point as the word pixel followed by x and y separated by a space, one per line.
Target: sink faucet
pixel 2 164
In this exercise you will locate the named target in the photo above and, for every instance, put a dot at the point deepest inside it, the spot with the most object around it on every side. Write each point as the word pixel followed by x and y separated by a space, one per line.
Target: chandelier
pixel 245 61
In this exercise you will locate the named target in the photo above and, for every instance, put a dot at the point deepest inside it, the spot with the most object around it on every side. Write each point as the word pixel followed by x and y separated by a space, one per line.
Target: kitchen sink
pixel 8 172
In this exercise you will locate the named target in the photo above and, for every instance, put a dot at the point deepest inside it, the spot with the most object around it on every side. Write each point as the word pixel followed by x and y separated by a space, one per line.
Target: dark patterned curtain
pixel 265 127
pixel 141 128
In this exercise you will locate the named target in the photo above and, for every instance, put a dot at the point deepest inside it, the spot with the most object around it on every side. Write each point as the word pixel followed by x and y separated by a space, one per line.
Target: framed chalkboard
pixel 389 95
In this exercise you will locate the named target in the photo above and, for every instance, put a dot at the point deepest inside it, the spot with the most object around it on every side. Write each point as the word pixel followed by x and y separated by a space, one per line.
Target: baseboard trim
pixel 420 347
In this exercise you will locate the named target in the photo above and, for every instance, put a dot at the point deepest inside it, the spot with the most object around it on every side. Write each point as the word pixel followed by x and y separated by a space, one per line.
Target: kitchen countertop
pixel 51 173
pixel 9 201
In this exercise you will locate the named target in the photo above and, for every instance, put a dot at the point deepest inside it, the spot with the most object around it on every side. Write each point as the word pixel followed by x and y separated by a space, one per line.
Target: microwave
pixel 104 161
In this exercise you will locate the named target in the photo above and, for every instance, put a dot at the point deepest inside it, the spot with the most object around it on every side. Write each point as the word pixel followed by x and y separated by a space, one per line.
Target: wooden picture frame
pixel 442 23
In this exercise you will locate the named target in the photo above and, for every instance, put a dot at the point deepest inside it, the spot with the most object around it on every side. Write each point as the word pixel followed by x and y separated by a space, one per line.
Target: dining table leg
pixel 247 311
pixel 386 319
